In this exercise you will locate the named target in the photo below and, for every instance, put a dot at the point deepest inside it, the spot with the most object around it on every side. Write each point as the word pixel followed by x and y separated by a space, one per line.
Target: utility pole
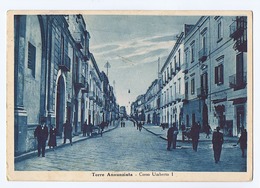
pixel 107 65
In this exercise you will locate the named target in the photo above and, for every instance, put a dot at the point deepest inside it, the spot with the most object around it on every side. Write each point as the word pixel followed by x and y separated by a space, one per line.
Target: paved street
pixel 126 149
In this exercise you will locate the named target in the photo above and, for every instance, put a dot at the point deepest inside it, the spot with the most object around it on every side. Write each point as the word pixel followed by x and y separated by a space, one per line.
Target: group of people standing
pixel 217 139
pixel 41 133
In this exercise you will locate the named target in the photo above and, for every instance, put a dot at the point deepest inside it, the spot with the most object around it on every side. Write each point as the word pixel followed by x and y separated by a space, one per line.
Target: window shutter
pixel 216 75
pixel 221 73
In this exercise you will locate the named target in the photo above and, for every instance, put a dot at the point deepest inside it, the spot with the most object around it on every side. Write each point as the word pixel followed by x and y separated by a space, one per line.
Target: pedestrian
pixel 207 130
pixel 195 132
pixel 85 128
pixel 52 138
pixel 170 137
pixel 183 131
pixel 175 133
pixel 243 141
pixel 217 141
pixel 41 132
pixel 67 132
pixel 140 126
pixel 89 129
pixel 102 126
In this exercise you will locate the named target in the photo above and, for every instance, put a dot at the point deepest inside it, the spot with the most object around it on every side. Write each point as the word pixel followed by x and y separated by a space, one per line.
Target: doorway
pixel 60 105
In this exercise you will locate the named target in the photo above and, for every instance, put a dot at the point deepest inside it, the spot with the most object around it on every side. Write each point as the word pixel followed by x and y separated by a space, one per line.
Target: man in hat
pixel 217 141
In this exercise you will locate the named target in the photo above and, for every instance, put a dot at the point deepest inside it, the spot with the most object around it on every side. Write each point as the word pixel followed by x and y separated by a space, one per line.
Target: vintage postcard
pixel 129 96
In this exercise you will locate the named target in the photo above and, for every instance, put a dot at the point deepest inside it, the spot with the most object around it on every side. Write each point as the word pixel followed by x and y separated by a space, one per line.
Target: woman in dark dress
pixel 52 138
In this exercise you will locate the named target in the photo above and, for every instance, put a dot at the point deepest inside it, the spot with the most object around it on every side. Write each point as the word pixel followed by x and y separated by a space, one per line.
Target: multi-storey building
pixel 95 93
pixel 172 88
pixel 56 77
pixel 151 104
pixel 216 92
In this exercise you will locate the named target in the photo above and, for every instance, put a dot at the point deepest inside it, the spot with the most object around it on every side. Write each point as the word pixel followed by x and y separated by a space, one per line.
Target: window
pixel 175 63
pixel 220 32
pixel 240 74
pixel 31 58
pixel 186 57
pixel 179 55
pixel 192 86
pixel 186 88
pixel 62 49
pixel 179 85
pixel 204 81
pixel 192 53
pixel 168 76
pixel 171 68
pixel 219 74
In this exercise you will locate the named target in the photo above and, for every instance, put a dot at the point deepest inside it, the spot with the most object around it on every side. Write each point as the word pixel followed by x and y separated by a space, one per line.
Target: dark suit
pixel 217 141
pixel 41 132
pixel 195 135
pixel 170 137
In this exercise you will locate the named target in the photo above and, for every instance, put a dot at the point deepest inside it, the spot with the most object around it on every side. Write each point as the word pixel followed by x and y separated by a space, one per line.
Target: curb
pixel 179 140
pixel 35 152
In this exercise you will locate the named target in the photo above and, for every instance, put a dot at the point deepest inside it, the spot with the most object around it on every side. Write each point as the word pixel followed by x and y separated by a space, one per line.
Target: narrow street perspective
pixel 128 149
pixel 119 92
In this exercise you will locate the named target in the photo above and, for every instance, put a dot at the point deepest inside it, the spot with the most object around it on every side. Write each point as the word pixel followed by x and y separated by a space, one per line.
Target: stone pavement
pixel 75 139
pixel 127 149
pixel 158 131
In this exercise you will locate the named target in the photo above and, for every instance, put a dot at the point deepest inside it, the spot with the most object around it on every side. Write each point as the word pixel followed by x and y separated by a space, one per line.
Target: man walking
pixel 217 141
pixel 175 133
pixel 41 132
pixel 195 132
pixel 243 141
pixel 67 132
pixel 170 137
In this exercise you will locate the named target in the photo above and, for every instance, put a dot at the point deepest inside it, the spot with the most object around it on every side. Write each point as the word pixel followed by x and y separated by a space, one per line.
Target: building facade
pixel 55 75
pixel 204 79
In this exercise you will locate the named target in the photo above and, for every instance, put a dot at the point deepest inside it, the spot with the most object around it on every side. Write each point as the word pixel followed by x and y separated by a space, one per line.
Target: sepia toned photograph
pixel 129 96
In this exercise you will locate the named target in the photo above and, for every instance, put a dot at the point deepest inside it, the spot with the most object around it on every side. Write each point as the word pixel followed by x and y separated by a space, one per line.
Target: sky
pixel 132 45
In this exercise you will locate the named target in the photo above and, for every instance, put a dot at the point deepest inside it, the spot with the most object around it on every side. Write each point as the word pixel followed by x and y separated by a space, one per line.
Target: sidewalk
pixel 158 131
pixel 60 144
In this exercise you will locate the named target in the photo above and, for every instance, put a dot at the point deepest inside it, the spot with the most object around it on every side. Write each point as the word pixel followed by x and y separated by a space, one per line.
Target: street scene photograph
pixel 118 95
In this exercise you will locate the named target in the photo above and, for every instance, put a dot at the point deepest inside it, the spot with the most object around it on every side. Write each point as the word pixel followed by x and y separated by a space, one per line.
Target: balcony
pixel 65 65
pixel 177 67
pixel 237 27
pixel 79 40
pixel 91 95
pixel 85 89
pixel 185 98
pixel 202 92
pixel 203 53
pixel 173 72
pixel 241 45
pixel 179 96
pixel 238 81
pixel 80 81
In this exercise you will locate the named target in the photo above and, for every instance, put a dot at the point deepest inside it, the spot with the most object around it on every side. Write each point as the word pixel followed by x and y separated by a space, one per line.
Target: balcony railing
pixel 203 53
pixel 177 67
pixel 179 96
pixel 86 88
pixel 202 92
pixel 237 27
pixel 241 45
pixel 185 97
pixel 65 64
pixel 238 81
pixel 80 81
pixel 79 39
pixel 91 95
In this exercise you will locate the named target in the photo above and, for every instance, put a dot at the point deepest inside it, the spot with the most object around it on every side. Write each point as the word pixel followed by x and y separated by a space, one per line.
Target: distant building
pixel 122 112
